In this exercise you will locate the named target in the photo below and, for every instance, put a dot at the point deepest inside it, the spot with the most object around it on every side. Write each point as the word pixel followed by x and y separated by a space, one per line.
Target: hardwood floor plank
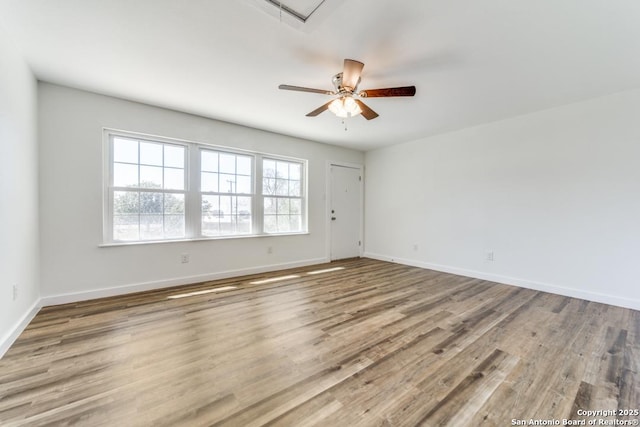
pixel 351 343
pixel 460 405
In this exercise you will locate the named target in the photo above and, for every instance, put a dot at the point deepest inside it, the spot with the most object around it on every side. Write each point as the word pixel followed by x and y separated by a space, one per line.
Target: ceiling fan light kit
pixel 345 107
pixel 346 84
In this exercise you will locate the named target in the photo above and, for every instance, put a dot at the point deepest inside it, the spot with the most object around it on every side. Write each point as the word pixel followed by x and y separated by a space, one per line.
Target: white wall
pixel 73 266
pixel 18 193
pixel 555 195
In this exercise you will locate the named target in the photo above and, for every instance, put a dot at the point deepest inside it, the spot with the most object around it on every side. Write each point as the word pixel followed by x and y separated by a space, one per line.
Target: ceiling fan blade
pixel 390 91
pixel 351 73
pixel 305 89
pixel 319 109
pixel 367 112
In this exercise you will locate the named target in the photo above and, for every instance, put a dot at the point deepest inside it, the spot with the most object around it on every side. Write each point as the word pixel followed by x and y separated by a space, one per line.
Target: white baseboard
pixel 523 283
pixel 177 281
pixel 9 338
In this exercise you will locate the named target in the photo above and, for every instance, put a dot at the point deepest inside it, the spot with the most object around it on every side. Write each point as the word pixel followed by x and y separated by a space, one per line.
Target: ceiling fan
pixel 348 104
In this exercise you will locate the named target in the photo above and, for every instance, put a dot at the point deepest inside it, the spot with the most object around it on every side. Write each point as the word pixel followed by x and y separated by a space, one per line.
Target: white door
pixel 346 214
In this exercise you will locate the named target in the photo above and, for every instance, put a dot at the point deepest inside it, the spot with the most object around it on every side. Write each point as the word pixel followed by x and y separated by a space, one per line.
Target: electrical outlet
pixel 15 292
pixel 415 248
pixel 270 250
pixel 490 256
pixel 184 258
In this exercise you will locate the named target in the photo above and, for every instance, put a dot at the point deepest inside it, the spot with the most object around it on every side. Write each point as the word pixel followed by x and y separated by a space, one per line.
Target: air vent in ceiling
pixel 300 9
pixel 301 14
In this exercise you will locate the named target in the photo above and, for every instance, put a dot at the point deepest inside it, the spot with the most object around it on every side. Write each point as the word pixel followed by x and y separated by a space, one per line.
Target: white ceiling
pixel 471 61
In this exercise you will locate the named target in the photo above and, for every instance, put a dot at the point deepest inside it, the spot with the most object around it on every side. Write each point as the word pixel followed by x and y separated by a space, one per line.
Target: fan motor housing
pixel 337 83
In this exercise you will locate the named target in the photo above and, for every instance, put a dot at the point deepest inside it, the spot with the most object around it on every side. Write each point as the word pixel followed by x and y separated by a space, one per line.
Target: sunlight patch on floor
pixel 326 270
pixel 206 291
pixel 275 279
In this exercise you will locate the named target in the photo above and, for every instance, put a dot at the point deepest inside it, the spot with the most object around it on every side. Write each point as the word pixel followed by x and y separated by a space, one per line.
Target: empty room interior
pixel 319 213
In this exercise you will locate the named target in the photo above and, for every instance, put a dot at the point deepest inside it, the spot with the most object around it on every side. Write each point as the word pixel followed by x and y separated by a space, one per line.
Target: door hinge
pixel 360 178
pixel 359 243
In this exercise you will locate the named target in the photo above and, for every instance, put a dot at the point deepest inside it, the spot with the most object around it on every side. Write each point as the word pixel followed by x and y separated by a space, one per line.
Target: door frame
pixel 328 198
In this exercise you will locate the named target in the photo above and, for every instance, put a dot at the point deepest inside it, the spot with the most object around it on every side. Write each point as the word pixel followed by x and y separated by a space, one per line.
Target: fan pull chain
pixel 344 122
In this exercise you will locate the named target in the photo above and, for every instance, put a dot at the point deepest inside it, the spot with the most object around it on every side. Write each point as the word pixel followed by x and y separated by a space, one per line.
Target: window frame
pixel 111 189
pixel 301 197
pixel 192 191
pixel 201 193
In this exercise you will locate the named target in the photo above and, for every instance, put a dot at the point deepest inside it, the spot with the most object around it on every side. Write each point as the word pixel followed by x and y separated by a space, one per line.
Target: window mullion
pixel 304 199
pixel 193 202
pixel 107 234
pixel 258 199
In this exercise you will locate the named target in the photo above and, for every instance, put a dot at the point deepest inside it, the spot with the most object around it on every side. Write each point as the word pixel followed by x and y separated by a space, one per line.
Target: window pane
pixel 174 204
pixel 294 188
pixel 125 175
pixel 225 207
pixel 151 203
pixel 173 179
pixel 243 184
pixel 150 153
pixel 125 150
pixel 244 209
pixel 210 228
pixel 227 183
pixel 211 214
pixel 208 161
pixel 125 227
pixel 209 205
pixel 148 216
pixel 151 227
pixel 174 226
pixel 174 156
pixel 269 168
pixel 209 182
pixel 294 171
pixel 283 223
pixel 268 186
pixel 270 224
pixel 244 165
pixel 283 207
pixel 282 187
pixel 282 170
pixel 243 215
pixel 227 163
pixel 150 177
pixel 126 202
pixel 295 206
pixel 174 219
pixel 220 220
pixel 243 226
pixel 269 205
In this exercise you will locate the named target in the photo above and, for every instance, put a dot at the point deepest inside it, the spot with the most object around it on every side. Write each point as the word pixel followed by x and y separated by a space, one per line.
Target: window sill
pixel 200 239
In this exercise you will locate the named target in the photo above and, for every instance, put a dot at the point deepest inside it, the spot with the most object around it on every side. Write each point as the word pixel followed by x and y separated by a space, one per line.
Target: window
pixel 159 189
pixel 148 190
pixel 226 185
pixel 282 192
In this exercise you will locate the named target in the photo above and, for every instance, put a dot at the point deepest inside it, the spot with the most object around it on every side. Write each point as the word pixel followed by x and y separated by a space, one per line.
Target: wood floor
pixel 362 343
